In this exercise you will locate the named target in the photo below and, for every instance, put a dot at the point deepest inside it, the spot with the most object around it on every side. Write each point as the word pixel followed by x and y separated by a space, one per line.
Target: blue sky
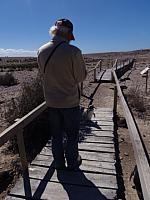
pixel 99 25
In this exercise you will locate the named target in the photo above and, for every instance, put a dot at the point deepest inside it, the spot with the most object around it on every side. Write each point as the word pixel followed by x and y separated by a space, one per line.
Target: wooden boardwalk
pixel 104 76
pixel 96 178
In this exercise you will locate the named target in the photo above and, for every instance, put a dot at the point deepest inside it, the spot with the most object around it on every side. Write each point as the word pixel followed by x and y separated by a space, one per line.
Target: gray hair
pixel 61 29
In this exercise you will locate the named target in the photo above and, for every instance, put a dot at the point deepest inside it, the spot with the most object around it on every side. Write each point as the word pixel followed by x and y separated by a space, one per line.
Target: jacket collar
pixel 57 38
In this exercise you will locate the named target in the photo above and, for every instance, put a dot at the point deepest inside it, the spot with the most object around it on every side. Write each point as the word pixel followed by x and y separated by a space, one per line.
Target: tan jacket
pixel 64 71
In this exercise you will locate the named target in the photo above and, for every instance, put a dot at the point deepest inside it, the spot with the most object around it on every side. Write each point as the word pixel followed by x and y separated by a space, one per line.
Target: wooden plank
pixel 56 191
pixel 107 76
pixel 96 148
pixel 103 123
pixel 93 166
pixel 102 118
pixel 94 139
pixel 139 153
pixel 103 114
pixel 100 133
pixel 86 155
pixel 97 156
pixel 101 179
pixel 102 128
pixel 97 145
pixel 100 109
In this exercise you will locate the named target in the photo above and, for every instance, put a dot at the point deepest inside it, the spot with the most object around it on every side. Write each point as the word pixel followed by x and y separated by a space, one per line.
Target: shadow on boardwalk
pixel 75 184
pixel 84 190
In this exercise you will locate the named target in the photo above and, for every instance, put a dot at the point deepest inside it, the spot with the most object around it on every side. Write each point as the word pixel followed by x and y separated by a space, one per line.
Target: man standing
pixel 63 68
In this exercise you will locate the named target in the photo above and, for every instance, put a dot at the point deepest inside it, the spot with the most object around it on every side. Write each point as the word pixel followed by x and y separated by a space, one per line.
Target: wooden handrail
pixel 139 153
pixel 97 65
pixel 21 123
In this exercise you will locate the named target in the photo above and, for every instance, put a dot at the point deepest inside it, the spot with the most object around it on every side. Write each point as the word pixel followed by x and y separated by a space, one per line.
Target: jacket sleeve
pixel 79 67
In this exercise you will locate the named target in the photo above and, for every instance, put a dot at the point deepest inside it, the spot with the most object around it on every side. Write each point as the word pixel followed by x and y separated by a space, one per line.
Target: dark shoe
pixel 76 166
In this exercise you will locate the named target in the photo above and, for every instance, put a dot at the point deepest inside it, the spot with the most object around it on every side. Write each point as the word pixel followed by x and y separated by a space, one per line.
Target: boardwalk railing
pixel 98 66
pixel 139 153
pixel 17 128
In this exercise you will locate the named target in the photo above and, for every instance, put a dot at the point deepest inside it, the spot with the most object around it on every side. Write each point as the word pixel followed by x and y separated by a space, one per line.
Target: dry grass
pixel 139 101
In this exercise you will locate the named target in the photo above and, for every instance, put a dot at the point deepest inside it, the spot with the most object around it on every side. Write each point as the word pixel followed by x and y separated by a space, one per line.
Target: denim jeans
pixel 64 120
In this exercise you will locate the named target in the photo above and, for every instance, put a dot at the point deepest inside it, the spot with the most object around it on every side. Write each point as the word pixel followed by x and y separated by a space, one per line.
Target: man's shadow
pixel 78 187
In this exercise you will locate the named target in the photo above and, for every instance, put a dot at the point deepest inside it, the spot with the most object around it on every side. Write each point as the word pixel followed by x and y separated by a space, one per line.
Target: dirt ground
pixel 102 98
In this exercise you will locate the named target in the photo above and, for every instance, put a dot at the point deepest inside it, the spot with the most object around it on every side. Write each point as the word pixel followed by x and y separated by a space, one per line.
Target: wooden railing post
pixel 24 163
pixel 21 147
pixel 115 101
pixel 100 65
pixel 95 75
pixel 81 88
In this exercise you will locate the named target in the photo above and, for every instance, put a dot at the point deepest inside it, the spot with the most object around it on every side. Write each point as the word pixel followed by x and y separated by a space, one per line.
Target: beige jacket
pixel 64 71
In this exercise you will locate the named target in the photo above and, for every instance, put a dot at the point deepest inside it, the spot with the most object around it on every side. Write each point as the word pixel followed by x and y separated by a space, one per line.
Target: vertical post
pixel 81 88
pixel 146 82
pixel 115 101
pixel 24 163
pixel 95 75
pixel 100 66
pixel 116 63
pixel 22 152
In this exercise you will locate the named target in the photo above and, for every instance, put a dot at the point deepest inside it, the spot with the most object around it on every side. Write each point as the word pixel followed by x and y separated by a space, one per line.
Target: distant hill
pixel 141 56
pixel 122 53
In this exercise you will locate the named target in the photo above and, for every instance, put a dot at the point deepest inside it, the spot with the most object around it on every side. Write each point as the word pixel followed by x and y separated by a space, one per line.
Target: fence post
pixel 95 75
pixel 100 66
pixel 24 163
pixel 22 152
pixel 81 88
pixel 115 101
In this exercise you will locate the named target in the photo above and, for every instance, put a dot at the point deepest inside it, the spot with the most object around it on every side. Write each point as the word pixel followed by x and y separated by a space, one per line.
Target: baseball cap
pixel 66 23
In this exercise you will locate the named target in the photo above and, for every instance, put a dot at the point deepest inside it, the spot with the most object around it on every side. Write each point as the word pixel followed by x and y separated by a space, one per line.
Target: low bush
pixel 7 79
pixel 31 96
pixel 36 133
pixel 136 99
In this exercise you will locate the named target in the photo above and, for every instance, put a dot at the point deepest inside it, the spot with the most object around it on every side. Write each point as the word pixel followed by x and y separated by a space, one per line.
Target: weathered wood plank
pixel 102 122
pixel 102 133
pixel 103 127
pixel 87 165
pixel 101 109
pixel 90 138
pixel 106 76
pixel 86 155
pixel 101 179
pixel 56 191
pixel 96 148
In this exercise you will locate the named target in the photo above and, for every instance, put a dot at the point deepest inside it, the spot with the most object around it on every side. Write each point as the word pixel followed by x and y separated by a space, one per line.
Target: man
pixel 63 68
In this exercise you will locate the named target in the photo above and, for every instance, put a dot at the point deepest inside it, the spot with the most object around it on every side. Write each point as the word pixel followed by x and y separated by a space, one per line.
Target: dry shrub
pixel 136 99
pixel 7 79
pixel 31 96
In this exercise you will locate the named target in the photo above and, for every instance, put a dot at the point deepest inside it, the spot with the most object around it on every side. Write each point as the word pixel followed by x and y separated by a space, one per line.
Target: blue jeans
pixel 64 120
